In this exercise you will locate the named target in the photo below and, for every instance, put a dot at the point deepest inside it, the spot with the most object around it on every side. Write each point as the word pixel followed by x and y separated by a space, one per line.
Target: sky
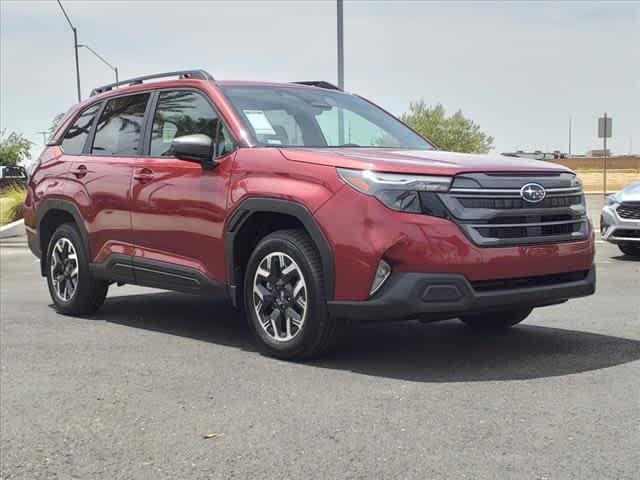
pixel 519 69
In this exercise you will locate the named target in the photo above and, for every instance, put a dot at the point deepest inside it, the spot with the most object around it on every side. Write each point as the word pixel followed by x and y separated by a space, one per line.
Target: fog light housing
pixel 382 273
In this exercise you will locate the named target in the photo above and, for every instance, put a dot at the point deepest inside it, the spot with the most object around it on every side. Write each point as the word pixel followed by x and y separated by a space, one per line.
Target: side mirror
pixel 195 148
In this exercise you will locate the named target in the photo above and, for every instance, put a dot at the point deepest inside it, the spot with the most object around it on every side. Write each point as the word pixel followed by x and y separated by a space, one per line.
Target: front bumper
pixel 361 231
pixel 440 296
pixel 618 230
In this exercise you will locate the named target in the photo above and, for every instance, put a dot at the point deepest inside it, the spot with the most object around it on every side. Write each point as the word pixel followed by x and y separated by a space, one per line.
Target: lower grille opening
pixel 524 282
pixel 625 232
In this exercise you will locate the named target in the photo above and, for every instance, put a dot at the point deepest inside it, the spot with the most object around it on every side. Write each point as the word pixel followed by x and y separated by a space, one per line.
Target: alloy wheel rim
pixel 64 269
pixel 280 296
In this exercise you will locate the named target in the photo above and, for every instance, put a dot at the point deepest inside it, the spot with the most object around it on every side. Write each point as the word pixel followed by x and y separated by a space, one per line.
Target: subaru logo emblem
pixel 533 193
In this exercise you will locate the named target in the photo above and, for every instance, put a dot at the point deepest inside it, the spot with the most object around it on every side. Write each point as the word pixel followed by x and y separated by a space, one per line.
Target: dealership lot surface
pixel 133 391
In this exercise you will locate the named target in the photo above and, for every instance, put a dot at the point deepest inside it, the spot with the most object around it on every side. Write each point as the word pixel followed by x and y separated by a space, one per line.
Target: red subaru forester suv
pixel 303 205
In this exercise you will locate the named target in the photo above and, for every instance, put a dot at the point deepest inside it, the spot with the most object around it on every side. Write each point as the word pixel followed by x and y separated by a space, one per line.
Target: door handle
pixel 143 175
pixel 80 171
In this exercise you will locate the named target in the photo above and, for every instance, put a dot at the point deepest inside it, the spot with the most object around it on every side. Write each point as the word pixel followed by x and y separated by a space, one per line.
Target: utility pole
pixel 75 47
pixel 604 132
pixel 604 152
pixel 340 70
pixel 340 46
pixel 570 136
pixel 115 69
pixel 44 134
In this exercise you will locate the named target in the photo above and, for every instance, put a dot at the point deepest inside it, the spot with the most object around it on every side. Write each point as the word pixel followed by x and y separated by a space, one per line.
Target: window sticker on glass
pixel 169 131
pixel 259 121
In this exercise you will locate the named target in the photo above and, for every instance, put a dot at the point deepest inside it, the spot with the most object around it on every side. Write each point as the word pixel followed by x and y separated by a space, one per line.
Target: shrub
pixel 11 201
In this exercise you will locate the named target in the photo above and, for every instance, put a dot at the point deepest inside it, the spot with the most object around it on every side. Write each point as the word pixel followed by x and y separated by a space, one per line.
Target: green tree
pixel 455 133
pixel 14 148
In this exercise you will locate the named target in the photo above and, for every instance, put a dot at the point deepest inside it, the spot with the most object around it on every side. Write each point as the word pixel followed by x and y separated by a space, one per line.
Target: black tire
pixel 89 292
pixel 494 321
pixel 629 249
pixel 319 331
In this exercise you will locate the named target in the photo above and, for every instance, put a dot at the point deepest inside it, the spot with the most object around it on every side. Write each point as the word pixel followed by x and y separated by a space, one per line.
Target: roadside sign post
pixel 604 132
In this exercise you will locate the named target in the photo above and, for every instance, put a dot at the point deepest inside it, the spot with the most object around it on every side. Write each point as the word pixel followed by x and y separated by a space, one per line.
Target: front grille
pixel 629 211
pixel 626 233
pixel 518 203
pixel 528 282
pixel 530 229
pixel 491 211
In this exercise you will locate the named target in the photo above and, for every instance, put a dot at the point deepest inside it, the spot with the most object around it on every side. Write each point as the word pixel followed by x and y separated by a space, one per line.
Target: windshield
pixel 303 117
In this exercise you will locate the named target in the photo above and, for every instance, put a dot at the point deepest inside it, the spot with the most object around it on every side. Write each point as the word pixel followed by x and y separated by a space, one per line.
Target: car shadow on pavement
pixel 180 314
pixel 450 352
pixel 437 352
pixel 626 258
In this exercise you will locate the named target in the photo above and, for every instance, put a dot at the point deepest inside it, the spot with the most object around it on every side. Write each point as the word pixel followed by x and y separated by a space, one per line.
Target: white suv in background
pixel 620 219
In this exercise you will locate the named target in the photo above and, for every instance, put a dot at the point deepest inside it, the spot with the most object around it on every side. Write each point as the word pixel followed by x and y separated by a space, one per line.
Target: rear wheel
pixel 284 297
pixel 630 249
pixel 492 321
pixel 73 289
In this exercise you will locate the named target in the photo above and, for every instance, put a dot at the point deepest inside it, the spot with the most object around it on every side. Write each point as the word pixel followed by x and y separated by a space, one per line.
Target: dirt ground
pixel 616 179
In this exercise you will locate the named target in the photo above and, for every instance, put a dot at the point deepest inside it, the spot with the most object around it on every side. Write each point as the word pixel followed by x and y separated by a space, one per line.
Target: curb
pixel 13 229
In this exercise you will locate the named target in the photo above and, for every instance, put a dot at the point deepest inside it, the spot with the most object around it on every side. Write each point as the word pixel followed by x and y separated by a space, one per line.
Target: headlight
pixel 397 191
pixel 611 201
pixel 576 182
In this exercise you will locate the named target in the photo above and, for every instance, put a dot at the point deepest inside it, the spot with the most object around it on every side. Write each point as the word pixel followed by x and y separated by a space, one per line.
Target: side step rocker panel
pixel 152 273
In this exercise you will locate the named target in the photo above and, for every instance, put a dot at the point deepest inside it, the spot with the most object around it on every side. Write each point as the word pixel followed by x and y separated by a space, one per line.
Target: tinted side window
pixel 120 126
pixel 73 141
pixel 179 113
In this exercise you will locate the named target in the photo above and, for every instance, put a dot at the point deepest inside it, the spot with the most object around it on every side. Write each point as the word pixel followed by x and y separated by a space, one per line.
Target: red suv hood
pixel 416 161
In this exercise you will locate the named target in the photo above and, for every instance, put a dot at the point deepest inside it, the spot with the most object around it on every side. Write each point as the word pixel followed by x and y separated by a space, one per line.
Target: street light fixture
pixel 75 47
pixel 115 69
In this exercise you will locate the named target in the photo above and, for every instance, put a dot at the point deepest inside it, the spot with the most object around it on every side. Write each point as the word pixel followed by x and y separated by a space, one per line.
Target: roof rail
pixel 197 74
pixel 319 84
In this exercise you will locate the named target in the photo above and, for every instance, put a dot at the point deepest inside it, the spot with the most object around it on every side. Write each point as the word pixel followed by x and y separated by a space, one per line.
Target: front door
pixel 179 208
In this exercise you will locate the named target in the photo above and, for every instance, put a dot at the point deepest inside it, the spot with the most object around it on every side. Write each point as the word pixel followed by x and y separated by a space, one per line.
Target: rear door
pixel 104 173
pixel 179 208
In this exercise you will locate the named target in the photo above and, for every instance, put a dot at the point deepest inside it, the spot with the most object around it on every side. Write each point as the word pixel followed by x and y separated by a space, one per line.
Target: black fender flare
pixel 274 205
pixel 53 204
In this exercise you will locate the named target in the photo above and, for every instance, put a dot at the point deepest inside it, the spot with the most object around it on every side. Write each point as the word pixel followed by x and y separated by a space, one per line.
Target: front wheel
pixel 73 289
pixel 630 249
pixel 492 321
pixel 284 297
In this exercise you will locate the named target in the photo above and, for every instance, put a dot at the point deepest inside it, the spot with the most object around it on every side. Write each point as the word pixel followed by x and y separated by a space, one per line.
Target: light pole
pixel 44 134
pixel 570 128
pixel 115 69
pixel 340 70
pixel 340 46
pixel 75 47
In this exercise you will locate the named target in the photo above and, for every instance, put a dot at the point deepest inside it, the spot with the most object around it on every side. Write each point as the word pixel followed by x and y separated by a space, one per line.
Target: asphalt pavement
pixel 163 385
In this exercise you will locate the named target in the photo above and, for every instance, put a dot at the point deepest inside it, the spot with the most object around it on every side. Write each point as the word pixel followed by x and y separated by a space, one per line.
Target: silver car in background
pixel 620 219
